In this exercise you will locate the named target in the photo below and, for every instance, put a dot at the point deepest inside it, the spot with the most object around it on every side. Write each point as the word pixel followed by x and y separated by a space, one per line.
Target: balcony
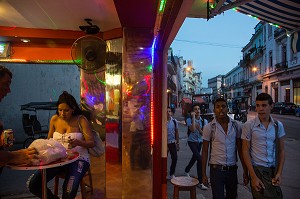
pixel 246 61
pixel 279 34
pixel 257 53
pixel 171 85
pixel 172 68
pixel 281 66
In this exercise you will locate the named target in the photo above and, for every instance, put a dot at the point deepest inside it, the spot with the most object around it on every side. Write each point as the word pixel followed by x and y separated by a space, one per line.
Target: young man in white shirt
pixel 224 137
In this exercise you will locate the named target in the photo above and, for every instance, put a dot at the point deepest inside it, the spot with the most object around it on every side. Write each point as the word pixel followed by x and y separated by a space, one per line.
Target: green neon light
pixel 149 68
pixel 212 6
pixel 162 5
pixel 101 81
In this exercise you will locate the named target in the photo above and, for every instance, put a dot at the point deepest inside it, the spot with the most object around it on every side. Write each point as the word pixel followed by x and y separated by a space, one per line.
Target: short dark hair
pixel 196 104
pixel 220 100
pixel 264 97
pixel 4 70
pixel 67 98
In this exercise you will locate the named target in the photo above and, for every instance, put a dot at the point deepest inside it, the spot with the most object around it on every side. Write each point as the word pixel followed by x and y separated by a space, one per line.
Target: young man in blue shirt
pixel 195 124
pixel 263 150
pixel 173 141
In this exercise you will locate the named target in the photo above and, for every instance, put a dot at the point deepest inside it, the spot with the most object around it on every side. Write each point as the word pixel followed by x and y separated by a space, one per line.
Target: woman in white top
pixel 73 130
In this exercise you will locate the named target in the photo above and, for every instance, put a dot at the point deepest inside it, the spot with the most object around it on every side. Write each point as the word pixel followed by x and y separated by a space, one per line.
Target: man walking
pixel 263 150
pixel 195 125
pixel 224 137
pixel 173 141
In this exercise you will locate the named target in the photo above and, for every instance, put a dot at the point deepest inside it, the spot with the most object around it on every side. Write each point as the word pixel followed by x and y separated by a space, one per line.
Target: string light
pixel 276 25
pixel 162 5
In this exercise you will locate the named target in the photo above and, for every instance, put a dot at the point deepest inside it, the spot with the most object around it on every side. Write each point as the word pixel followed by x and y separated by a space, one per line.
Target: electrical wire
pixel 209 43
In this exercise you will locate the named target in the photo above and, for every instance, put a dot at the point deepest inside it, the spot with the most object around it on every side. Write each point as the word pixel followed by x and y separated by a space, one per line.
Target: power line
pixel 210 44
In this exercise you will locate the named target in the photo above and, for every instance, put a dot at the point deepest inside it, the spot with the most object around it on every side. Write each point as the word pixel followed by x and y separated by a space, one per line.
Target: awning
pixel 199 99
pixel 285 13
pixel 187 100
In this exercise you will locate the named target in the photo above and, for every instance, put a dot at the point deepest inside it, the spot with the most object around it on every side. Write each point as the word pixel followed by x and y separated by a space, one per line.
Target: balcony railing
pixel 172 68
pixel 257 53
pixel 171 84
pixel 281 66
pixel 279 33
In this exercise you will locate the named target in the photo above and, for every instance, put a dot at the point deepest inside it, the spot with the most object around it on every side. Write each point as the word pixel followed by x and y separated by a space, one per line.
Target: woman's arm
pixel 52 127
pixel 86 130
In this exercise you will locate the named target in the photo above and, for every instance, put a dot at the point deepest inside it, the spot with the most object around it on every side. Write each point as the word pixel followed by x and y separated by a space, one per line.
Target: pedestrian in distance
pixel 195 125
pixel 263 150
pixel 23 156
pixel 173 141
pixel 223 136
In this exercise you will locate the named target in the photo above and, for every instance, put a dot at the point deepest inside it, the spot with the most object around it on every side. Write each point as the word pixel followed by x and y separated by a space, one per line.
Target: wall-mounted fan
pixel 89 53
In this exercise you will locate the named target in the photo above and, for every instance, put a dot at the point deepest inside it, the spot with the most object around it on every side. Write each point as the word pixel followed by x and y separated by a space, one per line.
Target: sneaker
pixel 202 186
pixel 170 177
pixel 187 174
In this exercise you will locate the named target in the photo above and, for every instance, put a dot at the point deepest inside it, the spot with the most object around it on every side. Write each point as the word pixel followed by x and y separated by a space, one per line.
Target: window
pixel 285 83
pixel 265 63
pixel 259 87
pixel 270 60
pixel 264 34
pixel 283 54
pixel 260 69
pixel 269 31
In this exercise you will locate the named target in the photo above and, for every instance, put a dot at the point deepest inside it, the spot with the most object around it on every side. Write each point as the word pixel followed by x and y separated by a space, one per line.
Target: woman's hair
pixel 68 99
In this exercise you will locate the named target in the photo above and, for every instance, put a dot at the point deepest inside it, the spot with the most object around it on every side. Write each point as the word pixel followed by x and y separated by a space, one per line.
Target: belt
pixel 223 168
pixel 170 142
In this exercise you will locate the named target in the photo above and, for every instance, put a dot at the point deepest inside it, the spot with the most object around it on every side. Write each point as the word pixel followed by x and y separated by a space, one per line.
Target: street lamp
pixel 254 68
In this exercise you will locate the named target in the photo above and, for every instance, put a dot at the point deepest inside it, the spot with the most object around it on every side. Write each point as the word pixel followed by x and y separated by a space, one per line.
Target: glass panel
pixel 100 101
pixel 113 116
pixel 92 103
pixel 137 71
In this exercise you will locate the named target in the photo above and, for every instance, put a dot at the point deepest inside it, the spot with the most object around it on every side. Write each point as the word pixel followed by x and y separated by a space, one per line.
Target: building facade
pixel 270 64
pixel 217 86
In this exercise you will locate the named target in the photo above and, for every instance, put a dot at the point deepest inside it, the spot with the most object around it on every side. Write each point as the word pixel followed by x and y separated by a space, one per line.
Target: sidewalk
pixel 184 156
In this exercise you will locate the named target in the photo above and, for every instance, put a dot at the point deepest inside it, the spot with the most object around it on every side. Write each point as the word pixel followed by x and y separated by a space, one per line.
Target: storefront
pixel 125 93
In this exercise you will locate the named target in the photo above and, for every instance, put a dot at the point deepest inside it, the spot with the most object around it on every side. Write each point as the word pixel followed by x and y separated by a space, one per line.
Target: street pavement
pixel 291 174
pixel 184 156
pixel 13 183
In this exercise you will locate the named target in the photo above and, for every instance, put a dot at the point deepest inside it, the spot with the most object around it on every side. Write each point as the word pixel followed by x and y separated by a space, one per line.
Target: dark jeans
pixel 173 151
pixel 74 173
pixel 265 174
pixel 195 148
pixel 219 179
pixel 140 150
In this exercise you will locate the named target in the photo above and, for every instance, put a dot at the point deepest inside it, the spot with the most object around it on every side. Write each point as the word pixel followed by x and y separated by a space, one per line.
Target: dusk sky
pixel 214 46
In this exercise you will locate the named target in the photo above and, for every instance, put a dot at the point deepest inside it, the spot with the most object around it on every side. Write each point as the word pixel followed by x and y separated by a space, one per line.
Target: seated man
pixel 11 157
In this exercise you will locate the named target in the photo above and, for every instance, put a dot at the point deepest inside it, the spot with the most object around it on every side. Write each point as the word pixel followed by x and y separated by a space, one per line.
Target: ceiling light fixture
pixel 25 40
